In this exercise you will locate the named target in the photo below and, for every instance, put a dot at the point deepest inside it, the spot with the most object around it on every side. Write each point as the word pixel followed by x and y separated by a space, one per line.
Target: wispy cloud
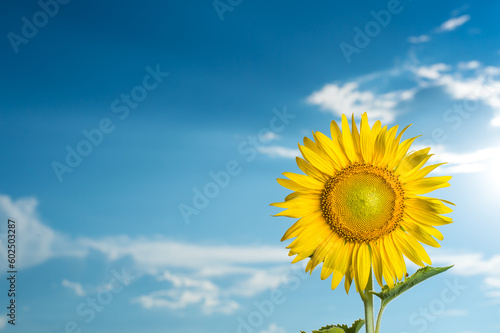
pixel 432 72
pixel 453 23
pixel 349 98
pixel 464 81
pixel 483 86
pixel 469 65
pixel 465 162
pixel 185 292
pixel 474 264
pixel 459 10
pixel 449 25
pixel 248 269
pixel 273 328
pixel 40 242
pixel 454 313
pixel 76 287
pixel 279 151
pixel 419 39
pixel 270 136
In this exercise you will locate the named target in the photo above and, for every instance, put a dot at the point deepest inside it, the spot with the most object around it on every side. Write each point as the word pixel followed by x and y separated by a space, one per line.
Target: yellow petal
pixel 427 218
pixel 362 268
pixel 379 147
pixel 336 278
pixel 397 260
pixel 390 146
pixel 420 173
pixel 412 161
pixel 320 163
pixel 428 204
pixel 416 230
pixel 322 249
pixel 291 185
pixel 411 248
pixel 426 185
pixel 347 139
pixel 332 149
pixel 306 181
pixel 310 170
pixel 302 223
pixel 355 138
pixel 348 279
pixel 377 264
pixel 367 148
pixel 401 152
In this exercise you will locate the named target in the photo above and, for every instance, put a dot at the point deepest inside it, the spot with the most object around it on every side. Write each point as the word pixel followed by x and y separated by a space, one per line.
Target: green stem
pixel 368 300
pixel 379 317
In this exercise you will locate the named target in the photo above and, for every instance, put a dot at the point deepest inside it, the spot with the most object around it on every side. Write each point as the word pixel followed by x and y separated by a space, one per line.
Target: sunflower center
pixel 363 202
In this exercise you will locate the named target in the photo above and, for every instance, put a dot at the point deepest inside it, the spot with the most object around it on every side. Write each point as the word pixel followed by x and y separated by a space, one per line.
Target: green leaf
pixel 329 329
pixel 341 328
pixel 388 294
pixel 356 326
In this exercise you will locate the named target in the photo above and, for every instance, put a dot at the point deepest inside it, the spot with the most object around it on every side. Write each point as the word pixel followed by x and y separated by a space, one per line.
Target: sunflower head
pixel 360 205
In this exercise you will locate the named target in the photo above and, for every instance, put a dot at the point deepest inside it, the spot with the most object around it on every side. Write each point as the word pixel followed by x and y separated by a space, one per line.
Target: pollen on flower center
pixel 363 202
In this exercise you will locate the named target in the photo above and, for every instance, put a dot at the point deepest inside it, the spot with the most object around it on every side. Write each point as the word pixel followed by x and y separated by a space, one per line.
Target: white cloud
pixel 3 322
pixel 459 10
pixel 248 270
pixel 278 151
pixel 467 81
pixel 260 281
pixel 348 98
pixel 186 292
pixel 495 121
pixel 76 287
pixel 432 72
pixel 269 136
pixel 492 70
pixel 273 328
pixel 455 313
pixel 483 87
pixel 39 242
pixel 474 264
pixel 470 264
pixel 467 162
pixel 468 65
pixel 453 23
pixel 151 254
pixel 419 39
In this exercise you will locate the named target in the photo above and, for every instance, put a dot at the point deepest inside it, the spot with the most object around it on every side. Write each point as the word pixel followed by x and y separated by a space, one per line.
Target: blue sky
pixel 115 116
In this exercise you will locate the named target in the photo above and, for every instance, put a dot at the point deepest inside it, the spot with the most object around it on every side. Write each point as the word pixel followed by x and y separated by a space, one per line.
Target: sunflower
pixel 360 204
